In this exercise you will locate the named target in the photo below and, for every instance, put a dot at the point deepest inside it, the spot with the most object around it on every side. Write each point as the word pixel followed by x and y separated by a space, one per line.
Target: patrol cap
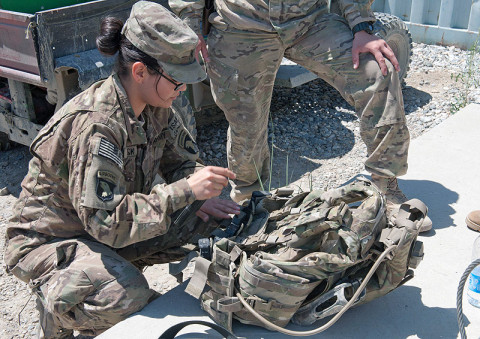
pixel 159 33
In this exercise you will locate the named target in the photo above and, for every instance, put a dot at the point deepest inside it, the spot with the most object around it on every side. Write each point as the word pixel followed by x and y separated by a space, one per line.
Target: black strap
pixel 172 331
pixel 187 211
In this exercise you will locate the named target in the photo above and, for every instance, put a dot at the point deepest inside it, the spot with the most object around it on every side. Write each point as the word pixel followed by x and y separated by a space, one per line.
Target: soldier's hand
pixel 218 208
pixel 202 47
pixel 367 43
pixel 209 181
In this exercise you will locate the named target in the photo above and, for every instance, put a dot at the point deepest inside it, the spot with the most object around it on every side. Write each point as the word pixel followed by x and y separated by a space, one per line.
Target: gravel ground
pixel 313 130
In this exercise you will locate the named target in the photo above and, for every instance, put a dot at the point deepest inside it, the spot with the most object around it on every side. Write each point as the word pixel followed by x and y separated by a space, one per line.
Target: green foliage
pixel 262 184
pixel 258 175
pixel 469 78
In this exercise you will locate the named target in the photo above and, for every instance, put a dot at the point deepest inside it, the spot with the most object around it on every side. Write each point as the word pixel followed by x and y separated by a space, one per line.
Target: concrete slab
pixel 292 75
pixel 444 167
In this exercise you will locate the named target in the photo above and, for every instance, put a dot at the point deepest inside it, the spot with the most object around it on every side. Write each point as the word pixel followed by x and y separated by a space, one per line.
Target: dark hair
pixel 111 40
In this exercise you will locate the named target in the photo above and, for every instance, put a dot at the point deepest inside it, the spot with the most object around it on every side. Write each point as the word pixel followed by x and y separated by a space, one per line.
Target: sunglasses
pixel 177 84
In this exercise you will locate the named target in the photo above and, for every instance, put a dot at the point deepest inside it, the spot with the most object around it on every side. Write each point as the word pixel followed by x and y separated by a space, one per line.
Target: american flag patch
pixel 110 151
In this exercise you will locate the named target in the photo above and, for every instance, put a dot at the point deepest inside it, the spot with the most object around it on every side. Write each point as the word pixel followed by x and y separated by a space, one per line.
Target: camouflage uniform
pixel 89 192
pixel 246 45
pixel 98 201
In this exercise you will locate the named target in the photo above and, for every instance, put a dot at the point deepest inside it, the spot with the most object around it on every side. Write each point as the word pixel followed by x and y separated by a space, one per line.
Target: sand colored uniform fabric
pixel 102 181
pixel 246 46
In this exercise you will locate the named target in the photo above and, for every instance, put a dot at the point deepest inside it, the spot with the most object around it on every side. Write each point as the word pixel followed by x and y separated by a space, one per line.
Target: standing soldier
pixel 92 211
pixel 246 44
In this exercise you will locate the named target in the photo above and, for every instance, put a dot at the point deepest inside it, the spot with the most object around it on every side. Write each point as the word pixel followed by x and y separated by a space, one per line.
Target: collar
pixel 136 133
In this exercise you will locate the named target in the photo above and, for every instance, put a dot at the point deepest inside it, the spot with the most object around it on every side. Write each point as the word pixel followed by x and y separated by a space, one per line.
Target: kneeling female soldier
pixel 110 171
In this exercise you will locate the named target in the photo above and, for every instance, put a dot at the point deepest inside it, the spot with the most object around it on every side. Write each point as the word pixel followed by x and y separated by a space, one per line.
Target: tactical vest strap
pixel 229 304
pixel 199 279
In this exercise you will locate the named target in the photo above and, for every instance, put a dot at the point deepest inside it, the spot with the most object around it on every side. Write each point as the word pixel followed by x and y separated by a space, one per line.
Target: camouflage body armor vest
pixel 301 258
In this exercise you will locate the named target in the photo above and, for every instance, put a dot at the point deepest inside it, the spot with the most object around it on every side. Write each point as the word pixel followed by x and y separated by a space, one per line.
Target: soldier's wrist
pixel 366 26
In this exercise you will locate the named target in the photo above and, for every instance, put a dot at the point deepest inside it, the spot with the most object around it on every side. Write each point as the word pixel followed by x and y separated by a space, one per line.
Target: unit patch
pixel 187 143
pixel 106 183
pixel 110 151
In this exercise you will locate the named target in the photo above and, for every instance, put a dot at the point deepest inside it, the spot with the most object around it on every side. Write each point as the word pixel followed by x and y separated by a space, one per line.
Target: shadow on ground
pixel 414 98
pixel 376 319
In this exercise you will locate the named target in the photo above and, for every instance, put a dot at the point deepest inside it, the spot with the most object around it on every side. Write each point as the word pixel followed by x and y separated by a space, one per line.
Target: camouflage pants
pixel 242 72
pixel 87 286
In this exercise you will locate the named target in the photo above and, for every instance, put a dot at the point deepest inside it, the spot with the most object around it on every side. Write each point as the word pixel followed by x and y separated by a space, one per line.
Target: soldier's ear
pixel 138 72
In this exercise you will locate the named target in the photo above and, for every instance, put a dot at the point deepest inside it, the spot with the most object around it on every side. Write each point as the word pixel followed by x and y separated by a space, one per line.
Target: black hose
pixel 461 285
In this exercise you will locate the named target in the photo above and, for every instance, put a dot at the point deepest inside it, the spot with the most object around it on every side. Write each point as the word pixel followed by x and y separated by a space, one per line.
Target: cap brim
pixel 187 74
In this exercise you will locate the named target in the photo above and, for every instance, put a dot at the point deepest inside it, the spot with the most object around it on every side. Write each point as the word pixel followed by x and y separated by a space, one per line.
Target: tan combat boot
pixel 395 197
pixel 473 220
pixel 47 328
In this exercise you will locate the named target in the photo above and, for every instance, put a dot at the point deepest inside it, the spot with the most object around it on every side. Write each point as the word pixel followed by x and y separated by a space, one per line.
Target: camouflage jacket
pixel 290 18
pixel 99 172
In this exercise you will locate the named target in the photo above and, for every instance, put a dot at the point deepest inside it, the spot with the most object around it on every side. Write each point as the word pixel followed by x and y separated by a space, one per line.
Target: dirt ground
pixel 18 316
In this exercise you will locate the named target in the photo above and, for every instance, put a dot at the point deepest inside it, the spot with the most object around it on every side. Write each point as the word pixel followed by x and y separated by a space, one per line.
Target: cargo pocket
pixel 223 76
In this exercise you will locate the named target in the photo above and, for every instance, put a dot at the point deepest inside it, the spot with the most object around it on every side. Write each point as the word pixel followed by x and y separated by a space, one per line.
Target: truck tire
pixel 395 32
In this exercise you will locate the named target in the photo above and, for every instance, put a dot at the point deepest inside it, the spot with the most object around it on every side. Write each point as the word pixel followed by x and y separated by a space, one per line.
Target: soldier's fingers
pixel 381 61
pixel 228 206
pixel 388 52
pixel 201 47
pixel 204 51
pixel 223 171
pixel 202 215
pixel 209 174
pixel 218 179
pixel 355 57
pixel 217 211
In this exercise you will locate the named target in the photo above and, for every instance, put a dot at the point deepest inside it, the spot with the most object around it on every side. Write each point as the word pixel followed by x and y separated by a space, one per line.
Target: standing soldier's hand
pixel 367 43
pixel 202 48
pixel 209 181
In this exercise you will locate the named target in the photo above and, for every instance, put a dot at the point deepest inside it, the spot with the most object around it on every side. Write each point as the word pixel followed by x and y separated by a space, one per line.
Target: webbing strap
pixel 229 304
pixel 199 279
pixel 222 258
pixel 403 220
pixel 261 305
pixel 177 268
pixel 172 331
pixel 235 253
pixel 404 216
pixel 296 289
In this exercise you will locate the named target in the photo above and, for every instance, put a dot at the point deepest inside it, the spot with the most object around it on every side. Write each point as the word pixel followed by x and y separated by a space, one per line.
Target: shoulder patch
pixel 106 182
pixel 110 151
pixel 187 143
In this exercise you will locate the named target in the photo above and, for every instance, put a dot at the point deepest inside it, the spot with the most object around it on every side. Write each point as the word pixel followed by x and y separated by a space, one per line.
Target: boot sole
pixel 472 225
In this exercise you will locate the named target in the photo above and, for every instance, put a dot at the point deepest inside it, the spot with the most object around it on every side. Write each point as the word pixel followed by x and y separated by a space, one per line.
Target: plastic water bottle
pixel 473 291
